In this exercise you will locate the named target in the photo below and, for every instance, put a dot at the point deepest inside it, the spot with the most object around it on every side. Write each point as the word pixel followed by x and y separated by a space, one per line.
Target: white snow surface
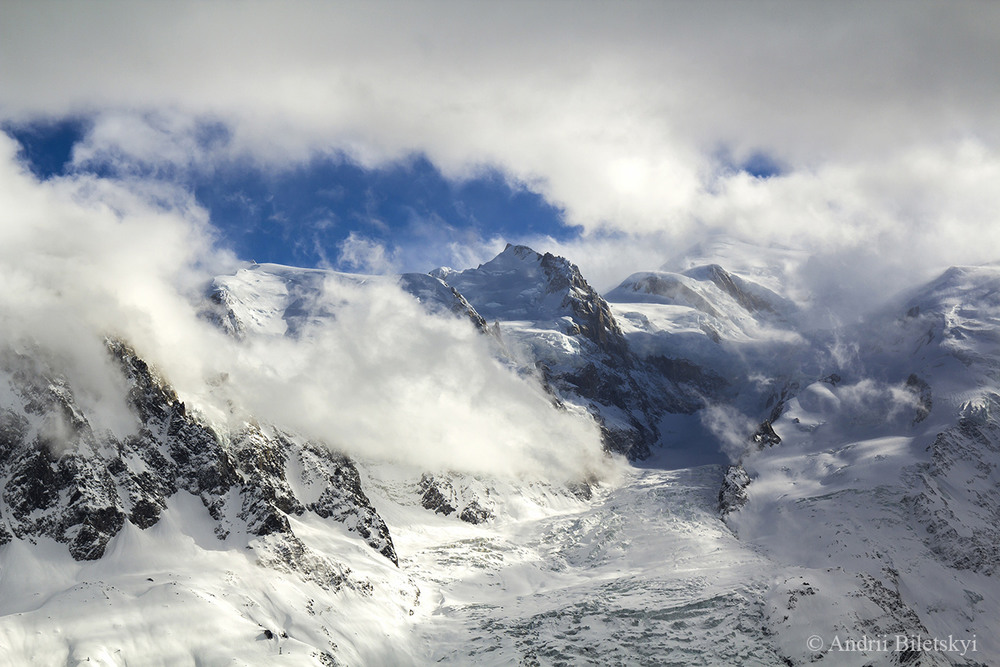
pixel 863 524
pixel 643 573
pixel 272 299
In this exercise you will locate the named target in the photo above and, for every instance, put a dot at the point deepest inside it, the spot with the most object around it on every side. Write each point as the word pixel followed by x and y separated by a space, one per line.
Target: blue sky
pixel 302 215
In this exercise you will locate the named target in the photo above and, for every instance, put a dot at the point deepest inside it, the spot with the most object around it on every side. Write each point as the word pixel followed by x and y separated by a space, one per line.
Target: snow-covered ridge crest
pixel 558 324
pixel 521 284
pixel 357 348
pixel 724 305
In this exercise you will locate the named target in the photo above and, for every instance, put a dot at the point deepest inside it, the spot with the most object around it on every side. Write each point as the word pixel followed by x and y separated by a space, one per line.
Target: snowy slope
pixel 708 326
pixel 271 299
pixel 555 321
pixel 883 489
pixel 644 573
pixel 864 505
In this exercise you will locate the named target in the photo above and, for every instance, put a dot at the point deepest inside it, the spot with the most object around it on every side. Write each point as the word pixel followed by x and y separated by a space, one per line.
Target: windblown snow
pixel 499 465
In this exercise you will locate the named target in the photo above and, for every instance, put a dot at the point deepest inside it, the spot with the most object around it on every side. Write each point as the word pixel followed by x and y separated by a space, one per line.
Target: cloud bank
pixel 82 258
pixel 633 120
pixel 384 379
pixel 804 82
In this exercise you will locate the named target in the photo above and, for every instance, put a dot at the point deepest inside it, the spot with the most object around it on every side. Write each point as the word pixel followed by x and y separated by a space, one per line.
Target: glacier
pixel 500 465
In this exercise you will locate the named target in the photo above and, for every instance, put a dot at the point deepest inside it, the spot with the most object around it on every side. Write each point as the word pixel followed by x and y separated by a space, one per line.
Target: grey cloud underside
pixel 858 70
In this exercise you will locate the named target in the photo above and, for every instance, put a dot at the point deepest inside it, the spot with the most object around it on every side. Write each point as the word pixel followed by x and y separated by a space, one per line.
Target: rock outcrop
pixel 60 478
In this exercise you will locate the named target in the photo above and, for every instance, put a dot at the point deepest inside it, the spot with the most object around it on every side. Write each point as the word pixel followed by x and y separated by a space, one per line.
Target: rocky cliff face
pixel 544 304
pixel 590 313
pixel 955 497
pixel 61 479
pixel 733 492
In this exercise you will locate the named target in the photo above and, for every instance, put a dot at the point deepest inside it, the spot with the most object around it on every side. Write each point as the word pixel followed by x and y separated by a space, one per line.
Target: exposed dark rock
pixel 327 659
pixel 74 486
pixel 267 497
pixel 625 401
pixel 832 379
pixel 55 482
pixel 97 527
pixel 591 313
pixel 583 490
pixel 765 436
pixel 899 618
pixel 287 553
pixel 145 513
pixel 955 496
pixel 475 513
pixel 432 498
pixel 632 440
pixel 733 494
pixel 344 500
pixel 445 493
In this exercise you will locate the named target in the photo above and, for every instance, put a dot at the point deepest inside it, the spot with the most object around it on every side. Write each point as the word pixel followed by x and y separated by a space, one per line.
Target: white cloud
pixel 82 258
pixel 363 255
pixel 884 113
pixel 610 112
pixel 383 379
pixel 865 405
pixel 731 428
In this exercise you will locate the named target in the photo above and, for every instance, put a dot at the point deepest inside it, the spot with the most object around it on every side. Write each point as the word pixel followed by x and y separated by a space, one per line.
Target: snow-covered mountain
pixel 883 489
pixel 769 494
pixel 570 334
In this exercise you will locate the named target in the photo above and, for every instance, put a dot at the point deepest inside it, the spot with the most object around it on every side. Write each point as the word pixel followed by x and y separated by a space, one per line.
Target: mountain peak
pixel 521 251
pixel 523 284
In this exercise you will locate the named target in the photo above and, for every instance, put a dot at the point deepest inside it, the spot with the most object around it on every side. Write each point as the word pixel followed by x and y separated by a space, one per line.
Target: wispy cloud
pixel 82 258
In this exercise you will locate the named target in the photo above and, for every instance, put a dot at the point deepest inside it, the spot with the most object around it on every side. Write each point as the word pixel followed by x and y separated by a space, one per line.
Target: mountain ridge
pixel 860 497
